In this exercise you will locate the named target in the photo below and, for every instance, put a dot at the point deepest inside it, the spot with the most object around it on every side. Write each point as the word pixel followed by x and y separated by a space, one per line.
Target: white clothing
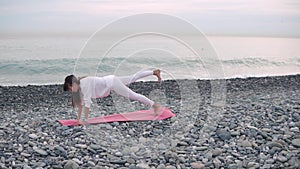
pixel 99 87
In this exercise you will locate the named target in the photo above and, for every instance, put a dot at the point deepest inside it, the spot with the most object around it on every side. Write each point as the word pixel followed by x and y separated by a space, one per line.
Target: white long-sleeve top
pixel 94 87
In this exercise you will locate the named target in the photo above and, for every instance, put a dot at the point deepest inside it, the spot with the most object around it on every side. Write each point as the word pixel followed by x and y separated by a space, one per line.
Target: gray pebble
pixel 223 134
pixel 235 133
pixel 95 146
pixel 161 166
pixel 274 144
pixel 71 165
pixel 216 152
pixel 143 166
pixel 246 143
pixel 33 136
pixel 282 158
pixel 201 148
pixel 296 143
pixel 270 161
pixel 41 151
pixel 170 167
pixel 91 164
pixel 197 165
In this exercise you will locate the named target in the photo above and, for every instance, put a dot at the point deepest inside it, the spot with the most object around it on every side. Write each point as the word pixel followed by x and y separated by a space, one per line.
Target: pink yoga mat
pixel 141 115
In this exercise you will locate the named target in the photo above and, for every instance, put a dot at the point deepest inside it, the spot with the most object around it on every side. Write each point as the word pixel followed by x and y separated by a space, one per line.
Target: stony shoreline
pixel 257 127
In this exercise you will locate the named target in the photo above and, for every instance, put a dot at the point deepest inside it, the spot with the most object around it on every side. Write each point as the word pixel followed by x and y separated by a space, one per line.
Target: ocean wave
pixel 262 62
pixel 30 67
pixel 34 66
pixel 53 70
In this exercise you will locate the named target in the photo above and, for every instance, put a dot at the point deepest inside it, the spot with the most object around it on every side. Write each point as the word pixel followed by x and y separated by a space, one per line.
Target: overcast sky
pixel 238 17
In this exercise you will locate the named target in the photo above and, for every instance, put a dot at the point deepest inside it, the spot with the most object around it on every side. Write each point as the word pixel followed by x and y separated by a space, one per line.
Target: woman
pixel 86 88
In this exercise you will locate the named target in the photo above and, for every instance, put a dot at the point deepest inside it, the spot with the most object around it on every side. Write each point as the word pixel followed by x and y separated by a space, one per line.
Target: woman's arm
pixel 79 112
pixel 86 113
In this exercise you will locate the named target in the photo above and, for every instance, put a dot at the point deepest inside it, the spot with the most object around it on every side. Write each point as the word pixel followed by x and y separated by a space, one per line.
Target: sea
pixel 38 59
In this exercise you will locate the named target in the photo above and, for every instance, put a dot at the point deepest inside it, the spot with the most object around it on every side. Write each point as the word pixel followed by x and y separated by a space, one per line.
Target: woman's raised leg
pixel 119 87
pixel 141 74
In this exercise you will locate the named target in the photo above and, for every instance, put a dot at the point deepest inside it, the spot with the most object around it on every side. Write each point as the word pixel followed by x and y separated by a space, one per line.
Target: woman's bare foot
pixel 155 107
pixel 80 122
pixel 157 74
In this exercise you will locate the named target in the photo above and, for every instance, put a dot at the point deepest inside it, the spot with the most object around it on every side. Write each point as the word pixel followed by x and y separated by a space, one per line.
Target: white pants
pixel 119 86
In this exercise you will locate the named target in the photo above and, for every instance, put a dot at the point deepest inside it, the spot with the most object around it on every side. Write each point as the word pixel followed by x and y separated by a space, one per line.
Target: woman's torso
pixel 96 87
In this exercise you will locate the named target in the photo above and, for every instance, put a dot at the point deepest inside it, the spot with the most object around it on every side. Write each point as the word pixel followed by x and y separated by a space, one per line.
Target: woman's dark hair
pixel 69 80
pixel 76 98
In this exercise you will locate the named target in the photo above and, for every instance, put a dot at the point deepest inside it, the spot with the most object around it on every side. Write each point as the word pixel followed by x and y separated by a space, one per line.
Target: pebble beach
pixel 256 127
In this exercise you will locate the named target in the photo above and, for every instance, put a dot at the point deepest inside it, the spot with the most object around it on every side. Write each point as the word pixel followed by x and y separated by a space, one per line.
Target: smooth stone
pixel 266 130
pixel 130 161
pixel 20 148
pixel 38 164
pixel 126 152
pixel 25 154
pixel 294 161
pixel 205 160
pixel 170 167
pixel 83 146
pixel 235 154
pixel 251 164
pixel 91 164
pixel 174 143
pixel 161 146
pixel 60 151
pixel 143 166
pixel 297 124
pixel 95 146
pixel 78 134
pixel 235 133
pixel 134 149
pixel 118 154
pixel 208 155
pixel 246 143
pixel 31 143
pixel 262 156
pixel 282 158
pixel 270 161
pixel 77 160
pixel 21 129
pixel 216 152
pixel 71 165
pixel 266 166
pixel 217 163
pixel 294 129
pixel 182 143
pixel 3 159
pixel 233 166
pixel 25 166
pixel 161 166
pixel 33 136
pixel 202 148
pixel 41 152
pixel 296 143
pixel 197 165
pixel 264 135
pixel 273 150
pixel 223 134
pixel 274 144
